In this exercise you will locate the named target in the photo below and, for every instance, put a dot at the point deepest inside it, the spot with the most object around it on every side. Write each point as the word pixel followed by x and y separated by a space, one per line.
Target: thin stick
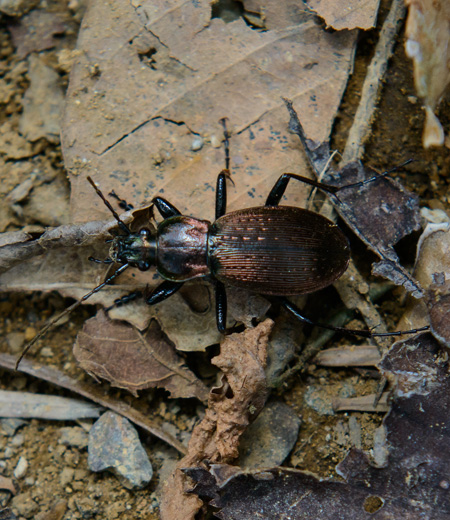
pixel 362 123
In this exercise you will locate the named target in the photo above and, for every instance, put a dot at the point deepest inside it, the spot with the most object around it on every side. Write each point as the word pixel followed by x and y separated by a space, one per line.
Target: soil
pixel 57 481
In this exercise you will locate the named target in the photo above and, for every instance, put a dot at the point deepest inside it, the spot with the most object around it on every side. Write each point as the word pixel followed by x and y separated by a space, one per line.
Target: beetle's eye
pixel 143 265
pixel 144 233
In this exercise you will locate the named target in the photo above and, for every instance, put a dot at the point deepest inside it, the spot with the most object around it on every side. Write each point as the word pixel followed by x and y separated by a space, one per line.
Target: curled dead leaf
pixel 231 407
pixel 129 359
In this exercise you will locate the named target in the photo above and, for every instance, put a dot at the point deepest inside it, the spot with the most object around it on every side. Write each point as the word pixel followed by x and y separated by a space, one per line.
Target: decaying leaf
pixel 428 44
pixel 380 212
pixel 7 484
pixel 129 359
pixel 37 31
pixel 413 484
pixel 94 393
pixel 231 407
pixel 438 302
pixel 347 14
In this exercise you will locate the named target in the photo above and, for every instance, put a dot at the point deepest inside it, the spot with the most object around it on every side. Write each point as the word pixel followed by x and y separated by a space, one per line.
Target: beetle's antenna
pixel 68 311
pixel 122 225
pixel 376 177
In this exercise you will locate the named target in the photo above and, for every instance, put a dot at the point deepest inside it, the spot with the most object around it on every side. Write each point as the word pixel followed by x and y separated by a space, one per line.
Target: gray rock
pixel 270 438
pixel 114 446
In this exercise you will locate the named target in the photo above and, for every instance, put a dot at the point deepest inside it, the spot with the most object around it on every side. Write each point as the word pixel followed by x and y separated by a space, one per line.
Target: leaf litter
pixel 209 138
pixel 413 484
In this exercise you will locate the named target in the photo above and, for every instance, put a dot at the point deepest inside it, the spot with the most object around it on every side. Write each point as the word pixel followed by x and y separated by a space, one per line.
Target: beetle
pixel 272 250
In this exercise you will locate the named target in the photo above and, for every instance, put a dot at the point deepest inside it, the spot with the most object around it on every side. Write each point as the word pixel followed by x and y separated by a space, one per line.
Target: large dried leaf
pixel 231 407
pixel 428 44
pixel 129 359
pixel 413 484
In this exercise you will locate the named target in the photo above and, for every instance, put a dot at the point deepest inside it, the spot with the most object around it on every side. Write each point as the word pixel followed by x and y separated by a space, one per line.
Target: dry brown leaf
pixel 37 31
pixel 347 14
pixel 7 484
pixel 129 359
pixel 428 44
pixel 231 407
pixel 177 85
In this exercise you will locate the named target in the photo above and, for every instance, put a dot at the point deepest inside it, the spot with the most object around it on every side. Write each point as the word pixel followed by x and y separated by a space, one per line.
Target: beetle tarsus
pixel 124 300
pixel 122 202
pixel 221 307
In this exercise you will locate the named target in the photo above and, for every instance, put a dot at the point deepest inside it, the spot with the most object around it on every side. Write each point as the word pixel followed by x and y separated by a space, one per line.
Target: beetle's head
pixel 136 249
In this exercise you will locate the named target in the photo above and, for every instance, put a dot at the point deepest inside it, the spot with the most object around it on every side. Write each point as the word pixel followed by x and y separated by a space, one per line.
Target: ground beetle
pixel 271 250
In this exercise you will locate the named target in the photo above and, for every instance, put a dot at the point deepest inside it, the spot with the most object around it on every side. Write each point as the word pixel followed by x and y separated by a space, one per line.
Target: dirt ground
pixel 57 482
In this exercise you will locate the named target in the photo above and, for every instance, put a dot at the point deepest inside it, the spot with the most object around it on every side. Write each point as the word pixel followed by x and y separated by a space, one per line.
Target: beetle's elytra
pixel 277 250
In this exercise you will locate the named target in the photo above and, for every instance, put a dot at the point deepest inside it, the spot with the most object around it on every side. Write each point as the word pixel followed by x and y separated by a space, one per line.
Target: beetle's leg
pixel 98 261
pixel 122 202
pixel 221 185
pixel 162 292
pixel 295 311
pixel 125 299
pixel 280 187
pixel 221 193
pixel 221 307
pixel 166 209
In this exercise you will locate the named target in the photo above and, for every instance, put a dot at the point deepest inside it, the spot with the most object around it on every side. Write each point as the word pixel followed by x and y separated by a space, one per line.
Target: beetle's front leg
pixel 162 292
pixel 165 208
pixel 280 187
pixel 125 299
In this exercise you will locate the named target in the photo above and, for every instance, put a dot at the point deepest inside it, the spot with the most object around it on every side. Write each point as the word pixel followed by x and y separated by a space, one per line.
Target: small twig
pixel 361 404
pixel 94 393
pixel 362 123
pixel 356 355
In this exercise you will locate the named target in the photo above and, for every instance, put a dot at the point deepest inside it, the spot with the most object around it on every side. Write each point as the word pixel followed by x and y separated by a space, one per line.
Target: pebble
pixel 114 446
pixel 197 144
pixel 270 438
pixel 17 7
pixel 15 341
pixel 21 468
pixel 10 426
pixel 73 436
pixel 66 476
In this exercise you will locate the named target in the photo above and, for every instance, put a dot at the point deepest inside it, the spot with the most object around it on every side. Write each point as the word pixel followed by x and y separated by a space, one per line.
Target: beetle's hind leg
pixel 278 190
pixel 295 311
